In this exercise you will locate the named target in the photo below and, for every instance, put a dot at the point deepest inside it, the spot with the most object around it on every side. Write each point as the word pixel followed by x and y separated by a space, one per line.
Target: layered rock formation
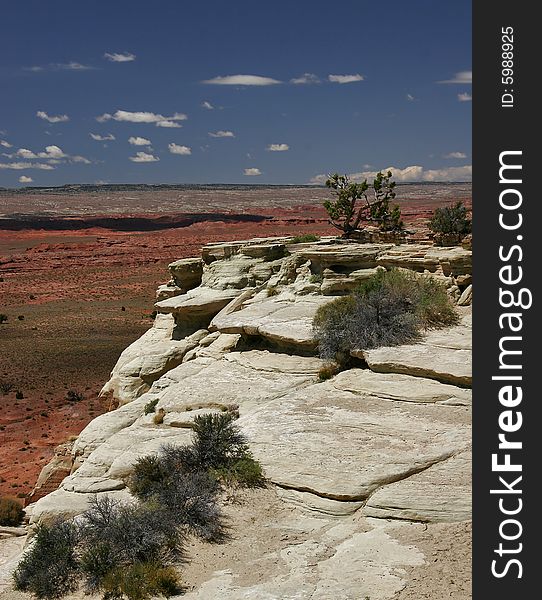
pixel 352 458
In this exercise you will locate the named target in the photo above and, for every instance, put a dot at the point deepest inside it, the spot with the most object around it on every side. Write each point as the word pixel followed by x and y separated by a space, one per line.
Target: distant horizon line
pixel 251 185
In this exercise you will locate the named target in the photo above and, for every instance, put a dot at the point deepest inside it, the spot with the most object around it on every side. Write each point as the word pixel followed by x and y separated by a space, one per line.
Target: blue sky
pixel 350 86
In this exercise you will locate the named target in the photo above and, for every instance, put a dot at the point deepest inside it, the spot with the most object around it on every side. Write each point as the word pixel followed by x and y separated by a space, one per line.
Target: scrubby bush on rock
pixel 388 309
pixel 11 512
pixel 50 569
pixel 451 221
pixel 110 548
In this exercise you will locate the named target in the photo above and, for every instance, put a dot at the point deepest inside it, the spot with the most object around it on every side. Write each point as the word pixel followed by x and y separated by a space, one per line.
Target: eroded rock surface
pixel 390 441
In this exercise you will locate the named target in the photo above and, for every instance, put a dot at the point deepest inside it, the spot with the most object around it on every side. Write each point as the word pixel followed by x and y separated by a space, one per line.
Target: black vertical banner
pixel 507 361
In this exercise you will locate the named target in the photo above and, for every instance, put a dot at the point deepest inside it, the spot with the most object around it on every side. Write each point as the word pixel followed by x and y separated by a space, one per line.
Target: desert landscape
pixel 384 513
pixel 81 265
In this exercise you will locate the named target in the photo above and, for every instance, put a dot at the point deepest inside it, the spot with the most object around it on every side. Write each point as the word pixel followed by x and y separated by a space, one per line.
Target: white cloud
pixel 24 153
pixel 71 66
pixel 455 155
pixel 463 77
pixel 52 152
pixel 139 141
pixel 306 78
pixel 120 56
pixel 410 97
pixel 221 134
pixel 52 118
pixel 5 144
pixel 278 147
pixel 242 80
pixel 464 97
pixel 252 172
pixel 168 123
pixel 143 157
pixel 102 138
pixel 79 159
pixel 345 78
pixel 25 179
pixel 207 105
pixel 18 166
pixel 143 117
pixel 411 173
pixel 182 150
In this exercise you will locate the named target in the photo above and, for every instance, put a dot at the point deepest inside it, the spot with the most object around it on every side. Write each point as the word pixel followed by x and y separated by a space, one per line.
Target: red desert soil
pixel 76 294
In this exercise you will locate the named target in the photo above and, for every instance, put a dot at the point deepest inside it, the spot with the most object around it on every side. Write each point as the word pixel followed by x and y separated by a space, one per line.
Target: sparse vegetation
pixel 6 387
pixel 452 219
pixel 11 512
pixel 347 214
pixel 316 278
pixel 272 290
pixel 389 309
pixel 19 395
pixel 3 318
pixel 128 550
pixel 74 396
pixel 150 407
pixel 304 239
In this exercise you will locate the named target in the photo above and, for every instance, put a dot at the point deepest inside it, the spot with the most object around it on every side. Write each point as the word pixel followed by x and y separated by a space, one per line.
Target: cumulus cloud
pixel 52 118
pixel 252 172
pixel 242 80
pixel 52 154
pixel 411 173
pixel 182 150
pixel 5 144
pixel 102 138
pixel 345 78
pixel 221 134
pixel 120 56
pixel 278 147
pixel 463 77
pixel 306 78
pixel 19 166
pixel 207 105
pixel 168 123
pixel 455 155
pixel 464 97
pixel 139 141
pixel 143 117
pixel 143 157
pixel 25 179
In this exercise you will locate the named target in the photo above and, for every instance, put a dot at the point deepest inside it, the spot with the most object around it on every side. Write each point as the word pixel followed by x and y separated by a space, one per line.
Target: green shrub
pixel 304 239
pixel 141 581
pixel 316 278
pixel 50 569
pixel 451 219
pixel 389 309
pixel 245 472
pixel 11 512
pixel 6 387
pixel 150 407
